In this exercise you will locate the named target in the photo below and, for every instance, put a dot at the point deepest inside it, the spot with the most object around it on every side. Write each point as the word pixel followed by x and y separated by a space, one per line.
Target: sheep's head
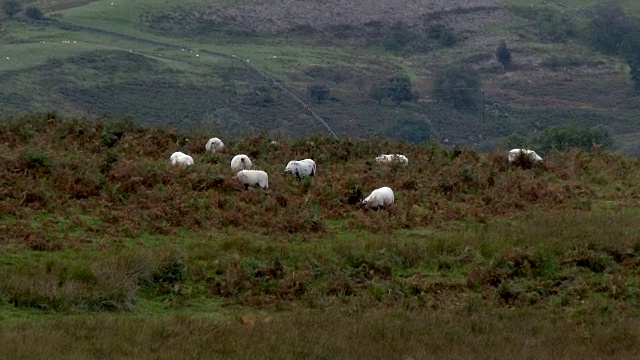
pixel 290 167
pixel 535 157
pixel 364 203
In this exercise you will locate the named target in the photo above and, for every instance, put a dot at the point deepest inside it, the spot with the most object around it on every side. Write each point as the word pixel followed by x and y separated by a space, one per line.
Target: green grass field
pixel 109 251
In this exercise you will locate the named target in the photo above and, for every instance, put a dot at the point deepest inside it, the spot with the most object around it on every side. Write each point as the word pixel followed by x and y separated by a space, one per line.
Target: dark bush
pixel 259 96
pixel 413 130
pixel 319 92
pixel 378 92
pixel 398 37
pixel 573 136
pixel 170 270
pixel 398 89
pixel 458 86
pixel 503 54
pixel 443 35
pixel 629 48
pixel 608 25
pixel 34 13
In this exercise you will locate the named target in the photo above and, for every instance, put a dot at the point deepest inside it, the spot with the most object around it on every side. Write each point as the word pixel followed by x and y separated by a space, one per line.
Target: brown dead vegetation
pixel 120 175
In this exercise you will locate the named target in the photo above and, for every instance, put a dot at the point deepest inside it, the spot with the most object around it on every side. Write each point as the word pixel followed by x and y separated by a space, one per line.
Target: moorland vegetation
pixel 108 249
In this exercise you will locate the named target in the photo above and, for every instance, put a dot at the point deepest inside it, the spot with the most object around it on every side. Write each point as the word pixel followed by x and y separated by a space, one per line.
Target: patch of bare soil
pixel 281 15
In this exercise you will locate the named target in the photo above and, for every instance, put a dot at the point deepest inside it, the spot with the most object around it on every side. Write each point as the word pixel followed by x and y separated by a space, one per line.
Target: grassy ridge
pixel 98 231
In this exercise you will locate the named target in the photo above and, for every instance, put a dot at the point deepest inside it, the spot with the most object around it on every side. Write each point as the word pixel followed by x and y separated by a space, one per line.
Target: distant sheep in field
pixel 379 198
pixel 240 162
pixel 530 155
pixel 214 144
pixel 180 158
pixel 301 168
pixel 393 158
pixel 252 178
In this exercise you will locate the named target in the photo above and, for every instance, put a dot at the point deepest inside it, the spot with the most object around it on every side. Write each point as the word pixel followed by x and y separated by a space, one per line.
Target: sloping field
pixel 348 46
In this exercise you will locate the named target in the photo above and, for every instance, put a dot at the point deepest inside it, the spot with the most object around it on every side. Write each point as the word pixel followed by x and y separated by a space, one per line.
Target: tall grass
pixel 94 220
pixel 376 334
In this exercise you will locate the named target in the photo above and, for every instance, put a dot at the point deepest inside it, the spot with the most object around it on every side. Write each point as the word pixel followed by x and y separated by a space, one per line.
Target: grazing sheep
pixel 240 162
pixel 180 158
pixel 301 168
pixel 214 144
pixel 252 178
pixel 528 154
pixel 379 198
pixel 176 155
pixel 393 157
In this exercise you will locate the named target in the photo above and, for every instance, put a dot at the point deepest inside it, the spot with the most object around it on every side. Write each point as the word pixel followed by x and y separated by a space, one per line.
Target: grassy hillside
pixel 108 250
pixel 350 46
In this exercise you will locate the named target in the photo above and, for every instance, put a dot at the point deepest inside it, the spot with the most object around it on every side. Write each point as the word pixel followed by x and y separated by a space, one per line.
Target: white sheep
pixel 528 154
pixel 379 198
pixel 393 158
pixel 214 144
pixel 180 158
pixel 241 162
pixel 252 178
pixel 301 168
pixel 175 156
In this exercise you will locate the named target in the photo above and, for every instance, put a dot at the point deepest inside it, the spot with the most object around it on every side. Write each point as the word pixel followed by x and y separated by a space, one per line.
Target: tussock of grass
pixel 109 284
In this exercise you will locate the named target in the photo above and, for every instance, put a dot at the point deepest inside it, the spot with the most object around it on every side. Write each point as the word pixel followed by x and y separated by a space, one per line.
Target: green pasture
pixel 39 44
pixel 125 18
